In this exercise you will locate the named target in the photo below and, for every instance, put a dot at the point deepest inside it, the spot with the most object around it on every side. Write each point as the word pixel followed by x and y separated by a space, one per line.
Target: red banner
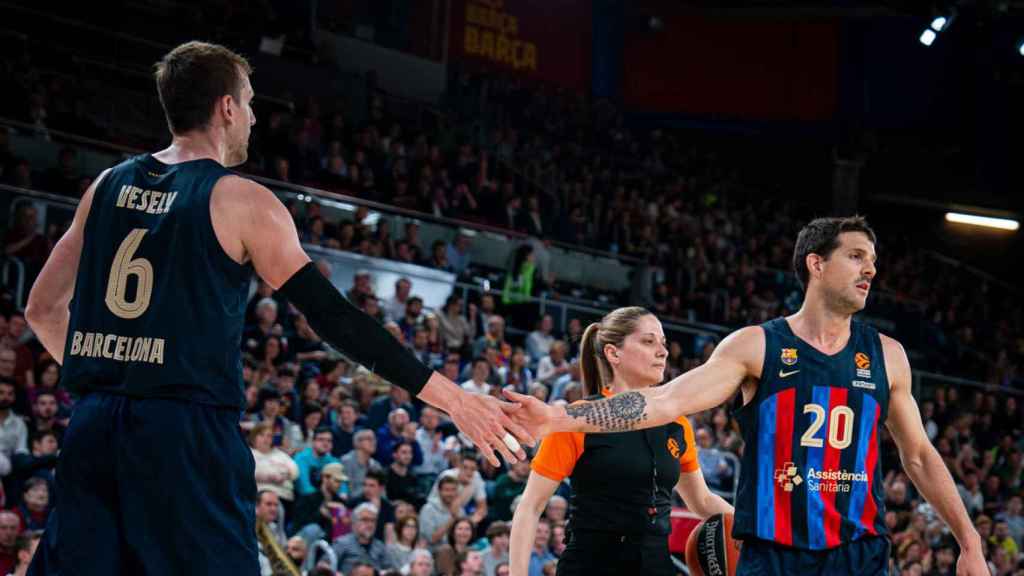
pixel 547 41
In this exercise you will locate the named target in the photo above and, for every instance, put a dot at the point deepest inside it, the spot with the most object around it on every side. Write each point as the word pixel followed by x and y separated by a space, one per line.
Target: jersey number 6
pixel 123 267
pixel 838 438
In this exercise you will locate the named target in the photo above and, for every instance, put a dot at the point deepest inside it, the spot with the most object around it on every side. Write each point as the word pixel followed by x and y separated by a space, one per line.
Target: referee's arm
pixel 252 225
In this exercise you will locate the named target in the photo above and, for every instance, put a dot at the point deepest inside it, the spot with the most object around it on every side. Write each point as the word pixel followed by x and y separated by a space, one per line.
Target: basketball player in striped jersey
pixel 816 387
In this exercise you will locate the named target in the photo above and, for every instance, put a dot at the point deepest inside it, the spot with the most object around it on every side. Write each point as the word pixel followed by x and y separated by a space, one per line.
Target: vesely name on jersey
pixel 833 480
pixel 148 201
pixel 119 348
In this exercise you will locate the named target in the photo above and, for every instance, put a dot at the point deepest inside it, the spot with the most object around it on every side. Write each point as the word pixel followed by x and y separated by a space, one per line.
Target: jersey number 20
pixel 838 438
pixel 124 267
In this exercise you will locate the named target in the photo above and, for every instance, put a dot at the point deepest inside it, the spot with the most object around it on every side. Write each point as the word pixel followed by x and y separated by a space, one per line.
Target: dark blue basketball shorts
pixel 863 557
pixel 151 487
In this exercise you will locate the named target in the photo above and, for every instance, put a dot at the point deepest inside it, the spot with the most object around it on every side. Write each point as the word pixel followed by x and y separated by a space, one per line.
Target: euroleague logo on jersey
pixel 863 364
pixel 673 448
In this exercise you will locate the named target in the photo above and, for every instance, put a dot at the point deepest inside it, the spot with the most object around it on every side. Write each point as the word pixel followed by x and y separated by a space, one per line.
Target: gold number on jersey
pixel 838 438
pixel 123 267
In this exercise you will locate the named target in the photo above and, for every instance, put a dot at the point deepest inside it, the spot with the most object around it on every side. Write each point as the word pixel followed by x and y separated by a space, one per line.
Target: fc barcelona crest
pixel 789 356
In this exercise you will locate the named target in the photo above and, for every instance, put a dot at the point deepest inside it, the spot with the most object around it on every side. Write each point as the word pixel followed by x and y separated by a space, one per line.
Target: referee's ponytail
pixel 596 371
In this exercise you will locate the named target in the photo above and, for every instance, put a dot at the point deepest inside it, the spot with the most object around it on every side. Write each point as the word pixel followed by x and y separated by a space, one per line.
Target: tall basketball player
pixel 816 387
pixel 154 477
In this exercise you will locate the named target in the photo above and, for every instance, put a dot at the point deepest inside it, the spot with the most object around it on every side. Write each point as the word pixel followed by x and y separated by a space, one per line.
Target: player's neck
pixel 194 145
pixel 819 326
pixel 619 385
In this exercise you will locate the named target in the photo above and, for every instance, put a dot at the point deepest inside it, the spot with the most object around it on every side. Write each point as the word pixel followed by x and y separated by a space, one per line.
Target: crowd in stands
pixel 388 484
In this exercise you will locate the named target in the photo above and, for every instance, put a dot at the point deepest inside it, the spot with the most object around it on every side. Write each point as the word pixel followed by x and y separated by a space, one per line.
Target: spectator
pixel 407 539
pixel 457 253
pixel 1014 519
pixel 16 339
pixel 412 318
pixel 379 410
pixel 306 346
pixel 574 336
pixel 359 461
pixel 275 470
pixel 13 432
pixel 412 238
pixel 47 378
pixel 373 493
pixel 439 257
pixel 395 307
pixel 478 381
pixel 498 534
pixel 345 428
pixel 401 484
pixel 557 539
pixel 502 569
pixel 556 510
pixel 270 411
pixel 44 415
pixel 541 553
pixel 9 529
pixel 516 374
pixel 456 331
pixel 362 286
pixel 398 429
pixel 553 369
pixel 457 541
pixel 40 463
pixel 323 513
pixel 538 342
pixel 472 498
pixel 519 282
pixel 296 549
pixel 716 468
pixel 312 417
pixel 267 513
pixel 480 317
pixel 312 460
pixel 360 545
pixel 438 515
pixel 469 562
pixel 1001 537
pixel 970 493
pixel 506 488
pixel 267 325
pixel 494 338
pixel 26 545
pixel 23 240
pixel 421 563
pixel 34 508
pixel 421 345
pixel 430 440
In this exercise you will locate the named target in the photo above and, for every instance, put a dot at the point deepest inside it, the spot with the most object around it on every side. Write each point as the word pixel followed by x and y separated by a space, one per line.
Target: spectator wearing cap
pixel 360 545
pixel 394 307
pixel 323 513
pixel 360 460
pixel 498 534
pixel 312 460
pixel 275 470
pixel 399 429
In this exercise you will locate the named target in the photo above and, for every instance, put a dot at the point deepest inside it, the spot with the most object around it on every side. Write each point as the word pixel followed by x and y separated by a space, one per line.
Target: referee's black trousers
pixel 593 553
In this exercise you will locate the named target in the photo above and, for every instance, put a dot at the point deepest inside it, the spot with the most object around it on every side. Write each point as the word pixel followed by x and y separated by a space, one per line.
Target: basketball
pixel 710 549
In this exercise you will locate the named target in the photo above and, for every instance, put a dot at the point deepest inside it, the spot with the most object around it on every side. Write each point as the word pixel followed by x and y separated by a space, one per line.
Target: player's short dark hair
pixel 821 236
pixel 191 79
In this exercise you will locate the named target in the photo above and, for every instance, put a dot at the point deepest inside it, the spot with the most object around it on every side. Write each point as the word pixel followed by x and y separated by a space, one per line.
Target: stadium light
pixel 939 23
pixel 986 221
pixel 927 37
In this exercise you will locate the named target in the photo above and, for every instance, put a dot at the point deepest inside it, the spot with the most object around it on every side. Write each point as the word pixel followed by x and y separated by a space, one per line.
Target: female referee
pixel 621 483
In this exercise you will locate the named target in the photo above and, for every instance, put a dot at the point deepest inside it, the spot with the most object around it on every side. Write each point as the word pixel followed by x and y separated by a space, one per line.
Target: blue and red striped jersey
pixel 812 476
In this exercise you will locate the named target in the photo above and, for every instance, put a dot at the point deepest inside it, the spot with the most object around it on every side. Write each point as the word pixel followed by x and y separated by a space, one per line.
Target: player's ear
pixel 814 264
pixel 611 353
pixel 225 108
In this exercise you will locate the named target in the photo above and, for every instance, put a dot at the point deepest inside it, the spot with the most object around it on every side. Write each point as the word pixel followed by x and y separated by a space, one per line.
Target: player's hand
pixel 533 415
pixel 972 563
pixel 486 421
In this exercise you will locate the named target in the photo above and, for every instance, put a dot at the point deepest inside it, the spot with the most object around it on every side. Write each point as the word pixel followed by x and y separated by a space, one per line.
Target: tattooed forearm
pixel 616 414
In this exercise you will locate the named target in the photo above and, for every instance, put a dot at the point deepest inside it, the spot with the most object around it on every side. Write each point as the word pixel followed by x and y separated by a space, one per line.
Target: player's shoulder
pixel 746 344
pixel 893 351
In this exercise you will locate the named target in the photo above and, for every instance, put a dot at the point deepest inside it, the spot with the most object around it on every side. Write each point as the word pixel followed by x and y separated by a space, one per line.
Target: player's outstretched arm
pixel 707 386
pixel 250 215
pixel 922 462
pixel 47 311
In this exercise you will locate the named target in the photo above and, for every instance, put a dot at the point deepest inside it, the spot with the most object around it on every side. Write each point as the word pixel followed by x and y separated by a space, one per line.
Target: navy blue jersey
pixel 812 476
pixel 158 307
